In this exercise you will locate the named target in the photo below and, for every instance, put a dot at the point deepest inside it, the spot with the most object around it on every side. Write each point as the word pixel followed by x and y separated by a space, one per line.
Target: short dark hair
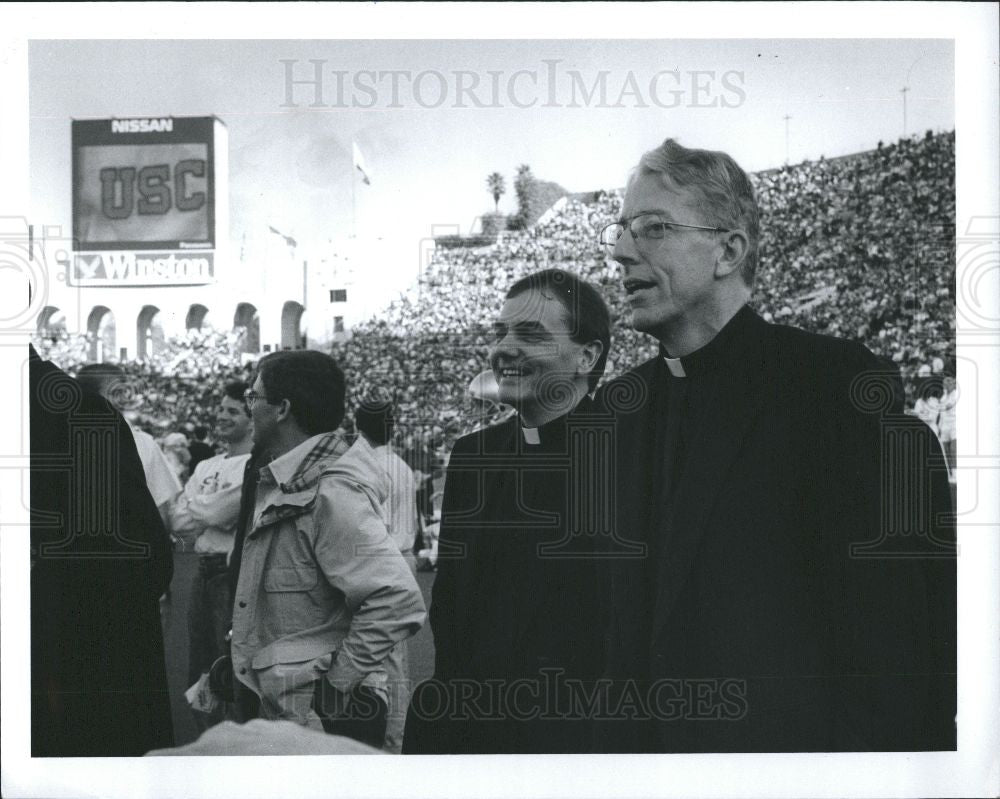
pixel 312 383
pixel 725 193
pixel 235 391
pixel 110 381
pixel 201 432
pixel 96 377
pixel 586 312
pixel 375 419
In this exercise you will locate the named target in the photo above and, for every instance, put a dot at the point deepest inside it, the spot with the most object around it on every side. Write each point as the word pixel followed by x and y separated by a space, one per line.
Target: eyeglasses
pixel 647 229
pixel 250 396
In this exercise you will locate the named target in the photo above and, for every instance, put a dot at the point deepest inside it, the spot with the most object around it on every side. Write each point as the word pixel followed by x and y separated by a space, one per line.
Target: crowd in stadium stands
pixel 176 390
pixel 875 233
pixel 860 247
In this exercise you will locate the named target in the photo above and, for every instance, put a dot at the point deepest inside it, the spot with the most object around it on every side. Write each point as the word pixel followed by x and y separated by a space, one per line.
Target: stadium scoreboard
pixel 148 200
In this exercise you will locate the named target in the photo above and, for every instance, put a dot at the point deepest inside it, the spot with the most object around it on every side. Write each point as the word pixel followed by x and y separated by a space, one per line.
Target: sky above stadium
pixel 433 118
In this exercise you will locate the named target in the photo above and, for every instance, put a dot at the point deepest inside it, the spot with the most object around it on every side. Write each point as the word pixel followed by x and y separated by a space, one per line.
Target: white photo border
pixel 965 773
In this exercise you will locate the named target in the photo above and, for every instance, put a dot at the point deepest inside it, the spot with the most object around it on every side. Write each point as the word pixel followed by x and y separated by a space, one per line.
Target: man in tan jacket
pixel 323 592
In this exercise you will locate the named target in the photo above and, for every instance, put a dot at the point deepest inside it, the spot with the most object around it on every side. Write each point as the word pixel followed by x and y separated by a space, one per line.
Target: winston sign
pixel 120 268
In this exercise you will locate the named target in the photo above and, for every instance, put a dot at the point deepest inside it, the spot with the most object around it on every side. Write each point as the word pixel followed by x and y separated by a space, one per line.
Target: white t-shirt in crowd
pixel 400 509
pixel 206 512
pixel 160 478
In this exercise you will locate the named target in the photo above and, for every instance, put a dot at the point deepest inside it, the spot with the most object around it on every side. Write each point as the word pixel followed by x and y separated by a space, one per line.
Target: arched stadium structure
pixel 151 325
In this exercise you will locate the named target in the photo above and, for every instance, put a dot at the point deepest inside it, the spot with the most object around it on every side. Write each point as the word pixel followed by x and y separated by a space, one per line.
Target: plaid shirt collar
pixel 325 447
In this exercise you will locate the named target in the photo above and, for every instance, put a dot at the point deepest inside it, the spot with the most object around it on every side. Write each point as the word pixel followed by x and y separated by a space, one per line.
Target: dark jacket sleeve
pixel 100 561
pixel 428 728
pixel 454 558
pixel 890 577
pixel 86 465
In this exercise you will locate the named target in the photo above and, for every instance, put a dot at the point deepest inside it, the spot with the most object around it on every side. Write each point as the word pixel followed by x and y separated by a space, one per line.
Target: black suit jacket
pixel 513 599
pixel 100 561
pixel 798 591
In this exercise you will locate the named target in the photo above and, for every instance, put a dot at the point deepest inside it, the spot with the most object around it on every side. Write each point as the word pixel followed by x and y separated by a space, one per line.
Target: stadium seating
pixel 860 247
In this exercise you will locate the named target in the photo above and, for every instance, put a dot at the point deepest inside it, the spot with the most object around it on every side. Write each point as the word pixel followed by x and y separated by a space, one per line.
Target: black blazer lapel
pixel 476 477
pixel 625 570
pixel 634 459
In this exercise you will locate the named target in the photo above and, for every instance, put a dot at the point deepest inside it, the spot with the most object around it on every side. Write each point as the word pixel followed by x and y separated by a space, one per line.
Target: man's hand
pixel 360 714
pixel 329 702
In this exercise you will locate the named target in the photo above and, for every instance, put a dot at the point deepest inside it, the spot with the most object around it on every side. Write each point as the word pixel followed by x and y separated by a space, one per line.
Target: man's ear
pixel 590 353
pixel 735 247
pixel 284 410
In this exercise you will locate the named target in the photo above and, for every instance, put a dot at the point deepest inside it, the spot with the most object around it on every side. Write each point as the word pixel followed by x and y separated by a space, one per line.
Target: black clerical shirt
pixel 682 388
pixel 531 606
pixel 515 604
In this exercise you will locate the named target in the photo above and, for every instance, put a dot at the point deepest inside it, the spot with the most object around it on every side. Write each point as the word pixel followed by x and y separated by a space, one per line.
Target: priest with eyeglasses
pixel 797 587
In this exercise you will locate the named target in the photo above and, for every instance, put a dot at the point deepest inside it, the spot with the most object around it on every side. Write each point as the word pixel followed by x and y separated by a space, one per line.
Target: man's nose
pixel 496 351
pixel 624 251
pixel 502 347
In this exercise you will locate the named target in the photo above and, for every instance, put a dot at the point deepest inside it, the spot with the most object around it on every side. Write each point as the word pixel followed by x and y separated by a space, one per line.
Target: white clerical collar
pixel 675 366
pixel 531 435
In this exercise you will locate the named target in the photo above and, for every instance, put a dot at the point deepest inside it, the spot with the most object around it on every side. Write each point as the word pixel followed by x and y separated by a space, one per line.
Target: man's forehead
pixel 229 402
pixel 530 306
pixel 652 192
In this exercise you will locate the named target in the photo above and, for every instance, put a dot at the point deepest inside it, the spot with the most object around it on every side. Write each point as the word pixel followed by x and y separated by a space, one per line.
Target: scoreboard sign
pixel 145 200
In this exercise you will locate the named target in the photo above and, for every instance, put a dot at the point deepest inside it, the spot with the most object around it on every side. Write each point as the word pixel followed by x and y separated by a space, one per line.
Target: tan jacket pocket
pixel 280 579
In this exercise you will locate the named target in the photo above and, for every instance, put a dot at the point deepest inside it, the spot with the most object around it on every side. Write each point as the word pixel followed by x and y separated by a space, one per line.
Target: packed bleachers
pixel 876 232
pixel 860 247
pixel 177 389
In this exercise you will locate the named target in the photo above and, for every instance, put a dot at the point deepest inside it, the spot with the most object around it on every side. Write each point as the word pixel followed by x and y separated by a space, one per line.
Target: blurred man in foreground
pixel 100 560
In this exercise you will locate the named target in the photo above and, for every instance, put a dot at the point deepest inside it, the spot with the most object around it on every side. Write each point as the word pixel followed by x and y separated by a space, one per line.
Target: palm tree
pixel 496 186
